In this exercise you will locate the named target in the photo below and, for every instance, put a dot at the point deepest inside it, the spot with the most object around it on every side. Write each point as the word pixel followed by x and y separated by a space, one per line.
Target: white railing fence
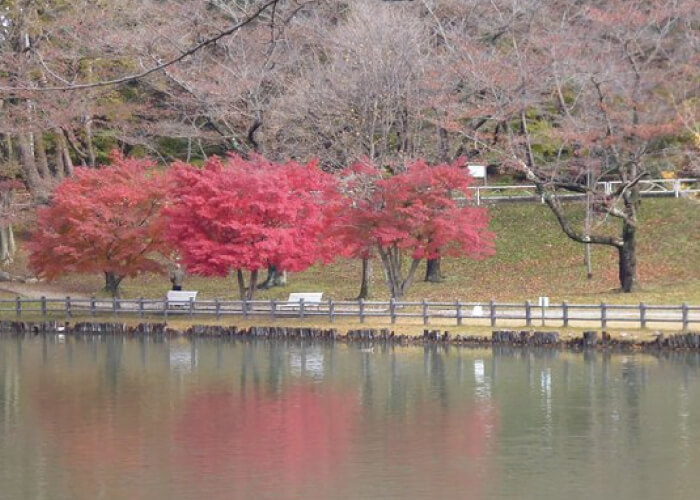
pixel 456 312
pixel 673 188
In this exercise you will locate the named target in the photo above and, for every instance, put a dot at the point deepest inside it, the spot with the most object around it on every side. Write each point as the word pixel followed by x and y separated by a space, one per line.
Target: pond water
pixel 113 418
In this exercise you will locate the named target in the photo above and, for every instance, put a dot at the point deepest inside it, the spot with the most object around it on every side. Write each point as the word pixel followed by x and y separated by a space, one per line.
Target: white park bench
pixel 311 299
pixel 180 298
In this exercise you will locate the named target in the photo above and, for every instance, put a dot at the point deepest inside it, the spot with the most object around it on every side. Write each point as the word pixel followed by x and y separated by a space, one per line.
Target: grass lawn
pixel 533 258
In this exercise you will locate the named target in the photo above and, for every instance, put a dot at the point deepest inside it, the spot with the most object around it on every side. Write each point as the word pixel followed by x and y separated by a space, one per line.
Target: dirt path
pixel 38 290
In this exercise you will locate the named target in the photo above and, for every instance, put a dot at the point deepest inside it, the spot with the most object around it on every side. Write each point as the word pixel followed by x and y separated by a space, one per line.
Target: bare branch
pixel 137 76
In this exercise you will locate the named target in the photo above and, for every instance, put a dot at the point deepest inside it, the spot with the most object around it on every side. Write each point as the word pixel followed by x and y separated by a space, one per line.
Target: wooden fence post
pixel 244 307
pixel 458 311
pixel 642 315
pixel 565 313
pixel 425 312
pixel 93 306
pixel 301 308
pixel 528 313
pixel 492 312
pixel 392 310
pixel 331 310
pixel 43 306
pixel 361 305
pixel 684 315
pixel 140 307
pixel 115 306
pixel 68 309
pixel 603 315
pixel 166 306
pixel 18 306
pixel 217 307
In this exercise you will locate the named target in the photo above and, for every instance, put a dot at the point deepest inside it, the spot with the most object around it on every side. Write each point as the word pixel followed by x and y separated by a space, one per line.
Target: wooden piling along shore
pixel 522 338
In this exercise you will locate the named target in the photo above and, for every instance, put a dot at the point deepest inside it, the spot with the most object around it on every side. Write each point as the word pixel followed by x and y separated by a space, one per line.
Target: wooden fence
pixel 457 312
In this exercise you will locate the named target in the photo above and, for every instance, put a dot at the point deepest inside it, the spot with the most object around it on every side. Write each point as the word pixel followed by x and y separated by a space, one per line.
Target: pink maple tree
pixel 102 220
pixel 246 215
pixel 420 213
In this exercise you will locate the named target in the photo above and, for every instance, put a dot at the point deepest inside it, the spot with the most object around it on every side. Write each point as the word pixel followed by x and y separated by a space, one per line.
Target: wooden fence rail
pixel 457 312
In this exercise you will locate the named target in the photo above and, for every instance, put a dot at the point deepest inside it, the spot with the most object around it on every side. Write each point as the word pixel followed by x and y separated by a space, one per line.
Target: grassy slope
pixel 533 258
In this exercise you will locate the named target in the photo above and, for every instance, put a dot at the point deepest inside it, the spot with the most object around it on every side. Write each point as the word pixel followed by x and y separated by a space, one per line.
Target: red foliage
pixel 415 212
pixel 102 220
pixel 358 185
pixel 421 215
pixel 248 214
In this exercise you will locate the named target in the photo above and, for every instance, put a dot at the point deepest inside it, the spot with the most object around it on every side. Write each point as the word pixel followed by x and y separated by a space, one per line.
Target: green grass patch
pixel 534 258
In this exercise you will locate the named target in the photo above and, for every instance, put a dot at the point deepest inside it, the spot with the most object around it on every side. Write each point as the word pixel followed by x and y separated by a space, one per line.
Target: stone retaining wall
pixel 522 338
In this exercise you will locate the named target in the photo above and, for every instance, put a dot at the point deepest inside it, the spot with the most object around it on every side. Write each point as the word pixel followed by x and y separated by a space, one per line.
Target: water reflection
pixel 246 444
pixel 306 361
pixel 182 356
pixel 106 417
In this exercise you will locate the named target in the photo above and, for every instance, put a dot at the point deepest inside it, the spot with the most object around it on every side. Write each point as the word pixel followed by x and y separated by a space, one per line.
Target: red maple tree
pixel 244 215
pixel 102 220
pixel 415 213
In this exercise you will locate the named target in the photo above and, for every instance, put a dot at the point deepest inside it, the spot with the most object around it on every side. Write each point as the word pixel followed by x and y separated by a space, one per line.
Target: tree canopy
pixel 237 215
pixel 102 221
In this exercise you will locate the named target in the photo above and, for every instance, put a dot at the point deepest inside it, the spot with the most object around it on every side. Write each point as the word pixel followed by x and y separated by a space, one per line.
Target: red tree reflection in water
pixel 103 440
pixel 253 442
pixel 451 447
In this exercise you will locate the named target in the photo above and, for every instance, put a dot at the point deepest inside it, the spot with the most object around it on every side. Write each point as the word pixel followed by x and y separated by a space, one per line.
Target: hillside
pixel 533 258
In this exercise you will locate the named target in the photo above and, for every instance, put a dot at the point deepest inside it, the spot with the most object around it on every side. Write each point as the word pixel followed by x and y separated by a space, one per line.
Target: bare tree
pixel 361 92
pixel 67 98
pixel 582 90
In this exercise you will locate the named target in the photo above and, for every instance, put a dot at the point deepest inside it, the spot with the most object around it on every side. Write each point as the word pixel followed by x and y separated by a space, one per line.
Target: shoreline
pixel 591 339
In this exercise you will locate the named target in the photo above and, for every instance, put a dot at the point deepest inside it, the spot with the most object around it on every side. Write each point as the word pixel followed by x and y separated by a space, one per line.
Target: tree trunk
pixel 112 282
pixel 433 273
pixel 9 150
pixel 364 284
pixel 247 292
pixel 73 143
pixel 11 245
pixel 391 260
pixel 7 237
pixel 5 255
pixel 59 167
pixel 391 278
pixel 588 261
pixel 252 285
pixel 275 277
pixel 443 144
pixel 270 279
pixel 241 283
pixel 281 278
pixel 88 141
pixel 628 258
pixel 67 160
pixel 29 171
pixel 41 160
